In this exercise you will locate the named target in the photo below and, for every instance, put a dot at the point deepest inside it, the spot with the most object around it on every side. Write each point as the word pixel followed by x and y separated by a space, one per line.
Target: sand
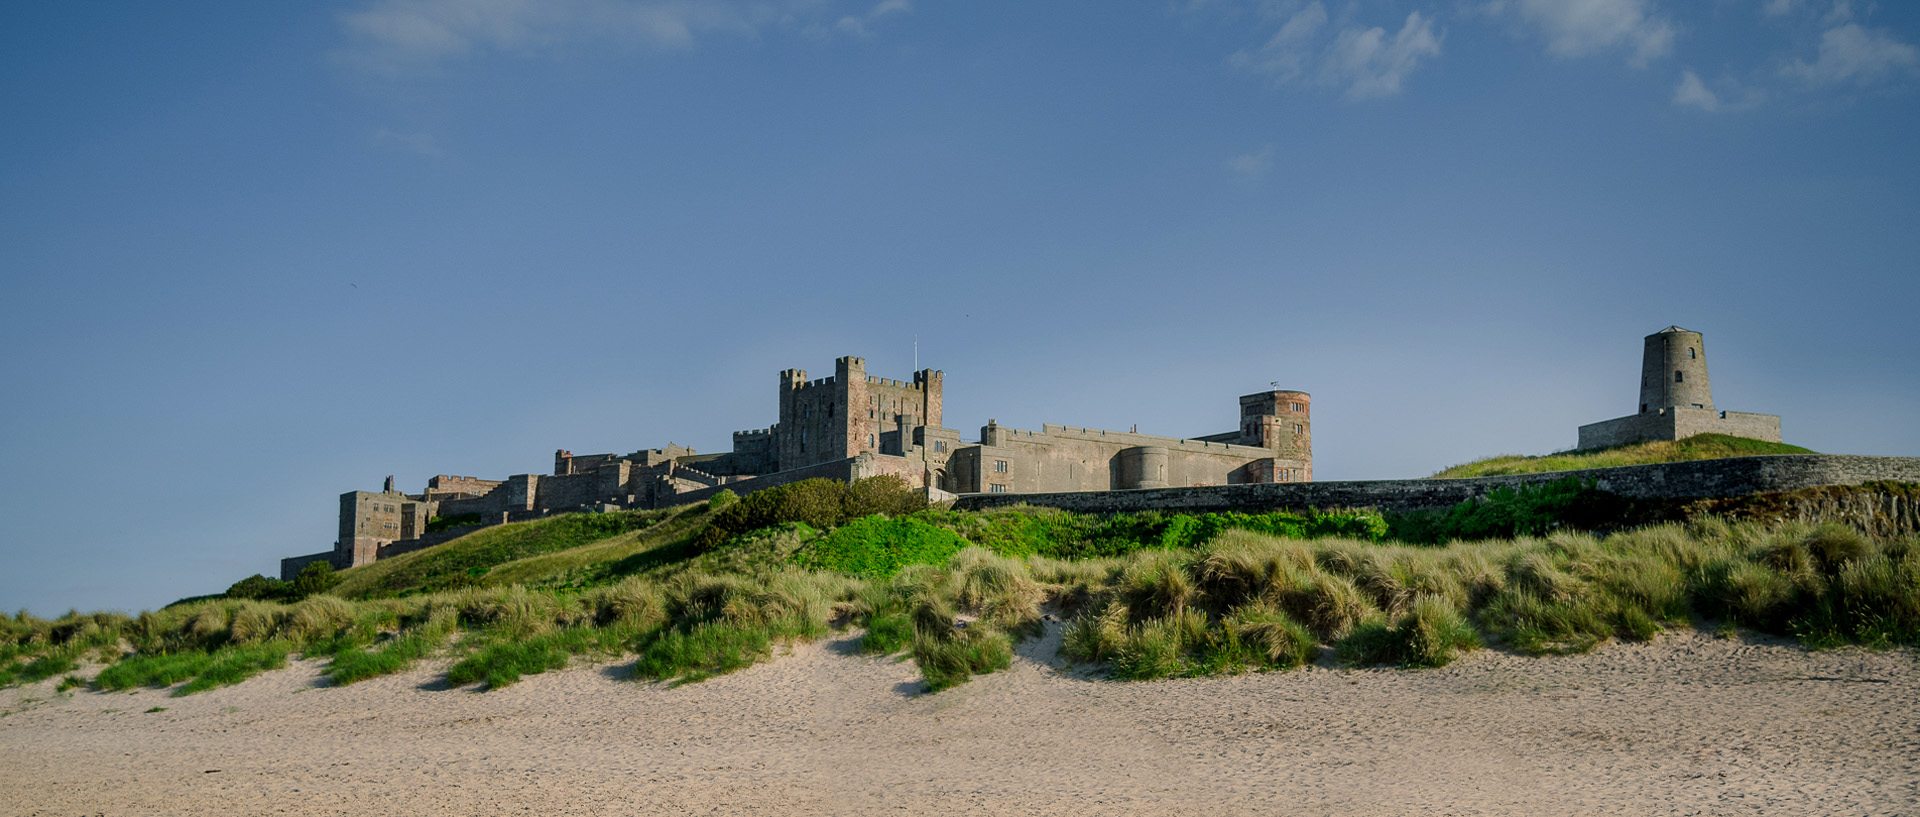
pixel 1689 724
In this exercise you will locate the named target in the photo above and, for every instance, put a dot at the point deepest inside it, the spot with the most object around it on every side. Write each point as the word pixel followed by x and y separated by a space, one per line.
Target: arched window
pixel 1690 353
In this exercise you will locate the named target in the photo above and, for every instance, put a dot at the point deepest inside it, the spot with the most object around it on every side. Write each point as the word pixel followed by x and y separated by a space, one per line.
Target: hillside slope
pixel 1697 447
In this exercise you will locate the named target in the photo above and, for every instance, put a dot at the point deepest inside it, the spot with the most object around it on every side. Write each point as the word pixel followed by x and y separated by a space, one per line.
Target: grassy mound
pixel 469 560
pixel 1696 447
pixel 1147 595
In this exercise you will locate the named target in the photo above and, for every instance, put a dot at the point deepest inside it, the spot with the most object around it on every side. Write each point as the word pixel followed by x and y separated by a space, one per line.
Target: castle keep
pixel 846 427
pixel 1676 400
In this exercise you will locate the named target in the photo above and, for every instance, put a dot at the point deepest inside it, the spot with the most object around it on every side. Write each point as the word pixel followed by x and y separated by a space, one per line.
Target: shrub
pixel 316 577
pixel 257 586
pixel 818 503
pixel 439 524
pixel 721 499
pixel 1528 510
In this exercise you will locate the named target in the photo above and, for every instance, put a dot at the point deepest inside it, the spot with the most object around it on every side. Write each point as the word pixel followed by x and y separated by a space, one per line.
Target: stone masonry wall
pixel 1677 480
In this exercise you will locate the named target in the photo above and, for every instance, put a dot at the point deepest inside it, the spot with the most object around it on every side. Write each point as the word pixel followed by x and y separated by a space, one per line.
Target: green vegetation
pixel 1696 447
pixel 1145 595
pixel 316 577
pixel 465 561
pixel 817 503
pixel 439 524
pixel 1528 510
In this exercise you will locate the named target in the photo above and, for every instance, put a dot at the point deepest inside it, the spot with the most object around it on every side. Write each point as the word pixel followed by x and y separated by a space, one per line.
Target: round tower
pixel 1673 372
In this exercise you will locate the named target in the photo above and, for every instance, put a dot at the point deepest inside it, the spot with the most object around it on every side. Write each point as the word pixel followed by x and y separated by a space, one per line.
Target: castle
pixel 845 427
pixel 1676 401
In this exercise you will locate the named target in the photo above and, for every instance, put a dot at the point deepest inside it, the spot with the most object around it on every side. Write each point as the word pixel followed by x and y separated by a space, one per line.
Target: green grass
pixel 1147 595
pixel 1696 447
pixel 876 547
pixel 235 664
pixel 153 670
pixel 466 560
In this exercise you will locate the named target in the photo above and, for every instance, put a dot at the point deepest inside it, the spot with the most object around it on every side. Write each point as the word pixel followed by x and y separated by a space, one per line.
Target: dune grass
pixel 1696 447
pixel 1185 596
pixel 465 561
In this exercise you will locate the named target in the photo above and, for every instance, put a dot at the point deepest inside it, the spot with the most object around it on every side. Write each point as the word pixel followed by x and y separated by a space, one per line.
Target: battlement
pixel 842 426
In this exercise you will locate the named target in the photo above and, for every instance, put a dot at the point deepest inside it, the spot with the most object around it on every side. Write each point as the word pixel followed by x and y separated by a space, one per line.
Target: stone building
pixel 1676 400
pixel 847 426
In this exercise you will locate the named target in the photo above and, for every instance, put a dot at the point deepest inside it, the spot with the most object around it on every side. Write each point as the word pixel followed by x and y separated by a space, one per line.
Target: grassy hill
pixel 691 592
pixel 1696 447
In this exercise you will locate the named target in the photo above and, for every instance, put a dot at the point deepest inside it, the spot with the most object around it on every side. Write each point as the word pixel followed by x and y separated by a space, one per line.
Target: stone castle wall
pixel 1675 480
pixel 1679 423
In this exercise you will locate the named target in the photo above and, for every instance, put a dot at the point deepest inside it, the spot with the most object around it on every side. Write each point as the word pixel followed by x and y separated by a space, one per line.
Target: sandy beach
pixel 1689 724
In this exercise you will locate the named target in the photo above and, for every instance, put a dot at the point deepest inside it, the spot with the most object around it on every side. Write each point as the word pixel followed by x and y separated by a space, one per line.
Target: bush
pixel 257 586
pixel 721 499
pixel 818 503
pixel 438 524
pixel 315 578
pixel 1529 510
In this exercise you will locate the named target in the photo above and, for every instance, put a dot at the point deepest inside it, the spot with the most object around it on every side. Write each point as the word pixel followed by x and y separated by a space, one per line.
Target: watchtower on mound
pixel 1673 371
pixel 1676 399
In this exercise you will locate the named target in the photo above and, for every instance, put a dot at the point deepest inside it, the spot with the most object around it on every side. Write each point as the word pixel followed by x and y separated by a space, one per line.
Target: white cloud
pixel 856 25
pixel 1580 28
pixel 1776 8
pixel 1365 62
pixel 1850 53
pixel 1251 166
pixel 1694 93
pixel 1370 64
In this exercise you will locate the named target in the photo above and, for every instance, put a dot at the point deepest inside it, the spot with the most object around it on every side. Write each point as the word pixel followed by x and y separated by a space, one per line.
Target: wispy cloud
pixel 1581 28
pixel 1370 63
pixel 1251 166
pixel 405 35
pixel 1692 92
pixel 1851 53
pixel 1363 61
pixel 856 24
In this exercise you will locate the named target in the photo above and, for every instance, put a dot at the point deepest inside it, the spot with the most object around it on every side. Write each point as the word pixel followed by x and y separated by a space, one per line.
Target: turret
pixel 1673 371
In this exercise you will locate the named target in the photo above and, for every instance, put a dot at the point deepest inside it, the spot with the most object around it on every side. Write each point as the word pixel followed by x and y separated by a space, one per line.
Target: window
pixel 999 466
pixel 1679 377
pixel 869 439
pixel 996 488
pixel 1697 405
pixel 1299 429
pixel 940 446
pixel 1690 353
pixel 1298 407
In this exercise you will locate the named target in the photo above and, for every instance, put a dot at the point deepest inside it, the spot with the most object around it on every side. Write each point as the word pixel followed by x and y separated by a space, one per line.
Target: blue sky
pixel 253 255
